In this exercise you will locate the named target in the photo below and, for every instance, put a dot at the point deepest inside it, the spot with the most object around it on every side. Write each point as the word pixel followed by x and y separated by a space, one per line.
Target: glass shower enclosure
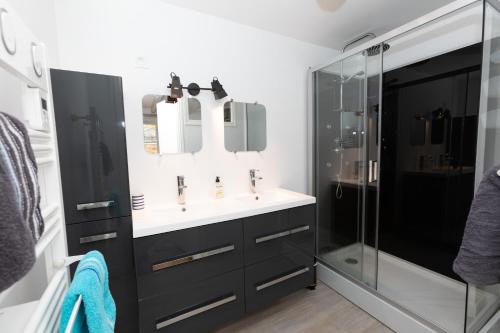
pixel 348 101
pixel 397 126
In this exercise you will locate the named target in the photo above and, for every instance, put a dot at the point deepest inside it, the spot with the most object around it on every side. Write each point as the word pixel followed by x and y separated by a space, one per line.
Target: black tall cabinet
pixel 93 158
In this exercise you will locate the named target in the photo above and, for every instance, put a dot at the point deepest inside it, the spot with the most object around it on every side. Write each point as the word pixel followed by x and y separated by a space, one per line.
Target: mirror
pixel 244 127
pixel 171 128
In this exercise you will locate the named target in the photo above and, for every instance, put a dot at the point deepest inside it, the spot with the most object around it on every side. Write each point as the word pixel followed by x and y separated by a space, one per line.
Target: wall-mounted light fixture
pixel 175 86
pixel 219 92
pixel 193 88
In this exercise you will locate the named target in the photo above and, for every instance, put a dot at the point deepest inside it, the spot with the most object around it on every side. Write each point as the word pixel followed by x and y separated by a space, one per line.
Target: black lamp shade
pixel 217 89
pixel 175 86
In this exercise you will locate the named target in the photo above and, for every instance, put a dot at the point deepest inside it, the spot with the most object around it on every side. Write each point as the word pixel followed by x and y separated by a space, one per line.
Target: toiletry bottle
pixel 219 188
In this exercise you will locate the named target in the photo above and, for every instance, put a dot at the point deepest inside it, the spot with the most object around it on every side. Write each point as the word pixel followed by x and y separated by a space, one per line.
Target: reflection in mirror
pixel 244 127
pixel 171 128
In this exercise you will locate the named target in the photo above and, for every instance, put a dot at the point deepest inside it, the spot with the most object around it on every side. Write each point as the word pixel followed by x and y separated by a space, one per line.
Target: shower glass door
pixel 483 302
pixel 347 98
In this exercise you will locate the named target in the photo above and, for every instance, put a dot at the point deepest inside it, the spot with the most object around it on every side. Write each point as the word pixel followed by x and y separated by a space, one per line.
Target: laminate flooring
pixel 319 311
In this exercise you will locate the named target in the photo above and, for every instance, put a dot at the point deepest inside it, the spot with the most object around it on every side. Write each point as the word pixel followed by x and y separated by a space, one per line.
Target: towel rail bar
pixel 74 313
pixel 41 148
pixel 38 134
pixel 44 160
pixel 57 285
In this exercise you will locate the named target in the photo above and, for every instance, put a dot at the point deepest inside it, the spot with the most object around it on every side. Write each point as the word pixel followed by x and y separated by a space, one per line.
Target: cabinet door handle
pixel 193 257
pixel 97 238
pixel 196 311
pixel 95 205
pixel 281 279
pixel 281 234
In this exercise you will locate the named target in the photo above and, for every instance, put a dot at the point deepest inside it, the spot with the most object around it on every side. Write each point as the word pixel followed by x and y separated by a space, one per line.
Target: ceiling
pixel 306 21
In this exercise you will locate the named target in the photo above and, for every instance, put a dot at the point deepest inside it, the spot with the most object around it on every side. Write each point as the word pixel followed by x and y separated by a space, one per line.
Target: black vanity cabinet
pixel 92 148
pixel 90 126
pixel 196 279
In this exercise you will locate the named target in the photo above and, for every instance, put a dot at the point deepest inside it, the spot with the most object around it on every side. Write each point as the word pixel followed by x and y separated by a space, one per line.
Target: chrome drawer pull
pixel 299 229
pixel 281 234
pixel 194 257
pixel 97 238
pixel 281 279
pixel 95 205
pixel 195 312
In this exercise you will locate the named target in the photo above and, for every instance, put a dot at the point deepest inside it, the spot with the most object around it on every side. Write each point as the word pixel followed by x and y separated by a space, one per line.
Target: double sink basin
pixel 156 220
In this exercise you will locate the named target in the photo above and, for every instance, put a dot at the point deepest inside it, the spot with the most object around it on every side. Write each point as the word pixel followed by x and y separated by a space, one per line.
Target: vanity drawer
pixel 199 307
pixel 298 219
pixel 275 278
pixel 262 235
pixel 112 237
pixel 270 234
pixel 183 257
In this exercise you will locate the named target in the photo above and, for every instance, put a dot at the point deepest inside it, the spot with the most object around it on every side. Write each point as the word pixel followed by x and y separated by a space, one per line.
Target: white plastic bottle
pixel 219 188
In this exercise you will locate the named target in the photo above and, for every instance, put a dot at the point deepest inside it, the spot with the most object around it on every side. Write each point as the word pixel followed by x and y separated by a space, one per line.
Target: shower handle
pixel 372 171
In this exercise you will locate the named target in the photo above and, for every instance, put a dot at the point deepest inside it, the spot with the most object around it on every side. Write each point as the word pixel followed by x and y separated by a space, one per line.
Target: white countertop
pixel 157 220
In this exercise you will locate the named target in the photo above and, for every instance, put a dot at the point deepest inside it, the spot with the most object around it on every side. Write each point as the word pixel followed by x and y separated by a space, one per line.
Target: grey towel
pixel 478 261
pixel 21 223
pixel 22 159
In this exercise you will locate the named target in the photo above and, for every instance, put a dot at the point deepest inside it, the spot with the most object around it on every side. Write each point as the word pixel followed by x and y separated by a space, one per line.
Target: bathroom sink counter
pixel 173 217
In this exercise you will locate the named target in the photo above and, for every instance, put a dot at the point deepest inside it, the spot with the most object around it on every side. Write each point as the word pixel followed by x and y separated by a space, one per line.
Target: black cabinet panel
pixel 270 234
pixel 124 291
pixel 92 149
pixel 272 279
pixel 262 238
pixel 113 238
pixel 197 308
pixel 298 218
pixel 182 257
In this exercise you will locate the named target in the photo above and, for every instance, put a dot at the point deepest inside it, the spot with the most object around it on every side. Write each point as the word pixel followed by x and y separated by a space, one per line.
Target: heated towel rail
pixel 34 303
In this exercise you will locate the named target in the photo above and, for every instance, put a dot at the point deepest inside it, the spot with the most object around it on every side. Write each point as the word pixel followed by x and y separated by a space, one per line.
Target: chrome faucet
pixel 181 193
pixel 253 180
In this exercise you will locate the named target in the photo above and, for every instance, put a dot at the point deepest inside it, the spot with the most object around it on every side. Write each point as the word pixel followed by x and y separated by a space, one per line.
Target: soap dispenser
pixel 219 188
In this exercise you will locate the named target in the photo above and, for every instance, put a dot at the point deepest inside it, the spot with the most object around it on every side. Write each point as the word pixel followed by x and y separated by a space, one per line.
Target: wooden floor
pixel 319 311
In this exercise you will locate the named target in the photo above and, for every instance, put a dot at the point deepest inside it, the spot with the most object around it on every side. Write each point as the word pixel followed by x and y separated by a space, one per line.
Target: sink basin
pixel 172 217
pixel 265 197
pixel 189 210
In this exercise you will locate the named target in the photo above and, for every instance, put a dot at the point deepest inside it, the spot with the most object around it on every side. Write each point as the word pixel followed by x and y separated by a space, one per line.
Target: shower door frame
pixel 382 308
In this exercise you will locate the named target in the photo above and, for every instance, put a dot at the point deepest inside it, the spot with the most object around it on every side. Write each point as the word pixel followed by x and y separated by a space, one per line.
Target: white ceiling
pixel 305 20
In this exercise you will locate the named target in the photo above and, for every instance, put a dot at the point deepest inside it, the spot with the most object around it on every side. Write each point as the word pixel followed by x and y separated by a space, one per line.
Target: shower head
pixel 375 49
pixel 349 78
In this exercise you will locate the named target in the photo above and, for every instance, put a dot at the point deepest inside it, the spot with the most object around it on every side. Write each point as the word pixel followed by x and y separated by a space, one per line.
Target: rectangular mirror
pixel 171 128
pixel 244 127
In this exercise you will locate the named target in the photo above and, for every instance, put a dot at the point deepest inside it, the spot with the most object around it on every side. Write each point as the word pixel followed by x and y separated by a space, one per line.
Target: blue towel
pixel 97 311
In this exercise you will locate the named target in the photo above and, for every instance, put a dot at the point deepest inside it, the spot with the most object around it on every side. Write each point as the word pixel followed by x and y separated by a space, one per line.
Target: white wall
pixel 39 16
pixel 108 37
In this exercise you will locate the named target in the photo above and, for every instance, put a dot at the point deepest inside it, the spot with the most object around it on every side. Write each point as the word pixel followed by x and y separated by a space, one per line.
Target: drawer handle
pixel 196 311
pixel 283 278
pixel 281 234
pixel 193 257
pixel 97 238
pixel 95 205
